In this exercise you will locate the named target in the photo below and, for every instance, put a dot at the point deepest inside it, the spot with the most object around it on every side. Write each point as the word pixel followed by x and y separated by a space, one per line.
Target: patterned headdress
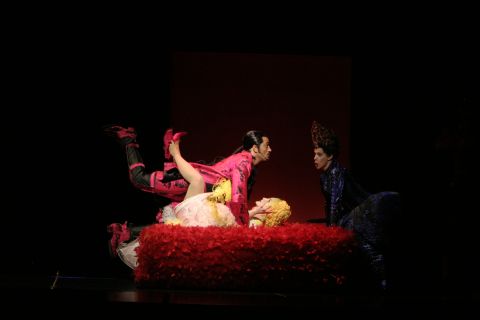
pixel 324 138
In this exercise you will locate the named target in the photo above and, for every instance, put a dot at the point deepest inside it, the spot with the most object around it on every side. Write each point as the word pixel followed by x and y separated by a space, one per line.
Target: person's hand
pixel 253 211
pixel 174 148
pixel 261 207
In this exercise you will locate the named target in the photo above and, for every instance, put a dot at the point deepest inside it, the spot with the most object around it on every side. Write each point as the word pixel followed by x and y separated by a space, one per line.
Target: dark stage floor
pixel 55 295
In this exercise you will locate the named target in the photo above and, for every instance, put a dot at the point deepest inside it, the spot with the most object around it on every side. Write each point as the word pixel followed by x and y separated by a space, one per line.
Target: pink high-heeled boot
pixel 168 137
pixel 120 233
pixel 123 135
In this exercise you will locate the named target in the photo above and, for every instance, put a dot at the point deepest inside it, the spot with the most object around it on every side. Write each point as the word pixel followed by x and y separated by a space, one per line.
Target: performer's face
pixel 264 150
pixel 321 159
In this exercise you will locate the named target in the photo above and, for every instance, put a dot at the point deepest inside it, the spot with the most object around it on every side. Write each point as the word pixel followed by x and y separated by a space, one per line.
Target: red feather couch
pixel 291 257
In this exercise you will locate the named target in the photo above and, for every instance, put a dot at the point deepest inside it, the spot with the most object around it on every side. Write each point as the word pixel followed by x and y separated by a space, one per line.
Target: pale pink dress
pixel 196 211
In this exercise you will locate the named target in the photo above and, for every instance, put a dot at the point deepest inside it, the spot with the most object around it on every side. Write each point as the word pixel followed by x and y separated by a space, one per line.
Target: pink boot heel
pixel 168 137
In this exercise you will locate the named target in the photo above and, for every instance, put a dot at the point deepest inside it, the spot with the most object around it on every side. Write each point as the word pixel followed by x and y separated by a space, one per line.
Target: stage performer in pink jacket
pixel 239 168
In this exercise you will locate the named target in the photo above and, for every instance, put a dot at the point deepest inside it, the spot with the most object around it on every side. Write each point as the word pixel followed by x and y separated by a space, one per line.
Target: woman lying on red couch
pixel 203 209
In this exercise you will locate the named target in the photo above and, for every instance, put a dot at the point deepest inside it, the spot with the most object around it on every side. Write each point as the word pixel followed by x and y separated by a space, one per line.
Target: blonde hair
pixel 279 213
pixel 221 193
pixel 173 222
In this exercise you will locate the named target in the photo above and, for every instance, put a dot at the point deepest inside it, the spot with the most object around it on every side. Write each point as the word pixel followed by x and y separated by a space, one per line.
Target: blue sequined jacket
pixel 342 193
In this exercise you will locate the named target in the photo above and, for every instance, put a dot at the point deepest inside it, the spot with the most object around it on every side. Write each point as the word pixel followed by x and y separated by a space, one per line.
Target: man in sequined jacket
pixel 349 205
